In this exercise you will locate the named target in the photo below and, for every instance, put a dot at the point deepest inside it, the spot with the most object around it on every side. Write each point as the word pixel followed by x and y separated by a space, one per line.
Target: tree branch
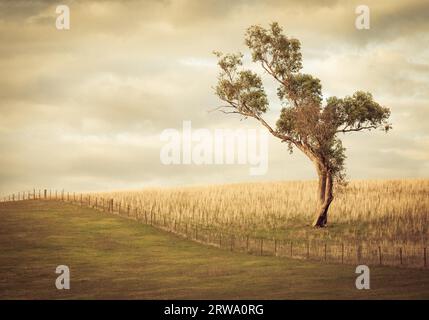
pixel 344 130
pixel 251 114
pixel 219 108
pixel 267 67
pixel 275 133
pixel 230 112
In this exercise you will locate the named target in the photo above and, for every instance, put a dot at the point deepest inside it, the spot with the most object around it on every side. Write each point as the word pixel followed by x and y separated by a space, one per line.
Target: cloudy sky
pixel 83 109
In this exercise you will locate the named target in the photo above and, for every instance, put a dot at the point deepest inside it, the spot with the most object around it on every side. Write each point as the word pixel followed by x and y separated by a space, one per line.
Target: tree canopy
pixel 306 121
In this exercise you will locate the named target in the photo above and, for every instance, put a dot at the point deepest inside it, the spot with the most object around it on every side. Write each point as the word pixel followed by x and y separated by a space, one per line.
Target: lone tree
pixel 306 122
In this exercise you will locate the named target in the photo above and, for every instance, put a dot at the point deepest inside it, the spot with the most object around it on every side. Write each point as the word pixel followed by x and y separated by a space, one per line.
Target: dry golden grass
pixel 379 210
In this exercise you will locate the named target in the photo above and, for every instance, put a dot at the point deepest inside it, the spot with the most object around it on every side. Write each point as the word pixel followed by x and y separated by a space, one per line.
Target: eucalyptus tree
pixel 306 121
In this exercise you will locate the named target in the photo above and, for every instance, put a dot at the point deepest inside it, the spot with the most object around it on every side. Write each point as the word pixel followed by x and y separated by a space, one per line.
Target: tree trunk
pixel 325 193
pixel 322 173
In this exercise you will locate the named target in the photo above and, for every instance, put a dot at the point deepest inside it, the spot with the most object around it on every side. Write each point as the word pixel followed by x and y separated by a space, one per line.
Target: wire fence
pixel 359 252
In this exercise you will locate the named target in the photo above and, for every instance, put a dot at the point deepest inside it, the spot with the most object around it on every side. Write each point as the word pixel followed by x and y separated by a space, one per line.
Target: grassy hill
pixel 111 257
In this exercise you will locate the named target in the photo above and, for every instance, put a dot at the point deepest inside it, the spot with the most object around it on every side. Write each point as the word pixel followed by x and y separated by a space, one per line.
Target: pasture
pixel 113 257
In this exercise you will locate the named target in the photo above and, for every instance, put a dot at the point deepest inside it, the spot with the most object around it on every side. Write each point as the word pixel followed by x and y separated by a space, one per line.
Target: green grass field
pixel 113 258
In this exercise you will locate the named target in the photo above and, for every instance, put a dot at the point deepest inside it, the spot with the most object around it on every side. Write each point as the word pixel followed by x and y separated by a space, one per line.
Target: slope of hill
pixel 111 257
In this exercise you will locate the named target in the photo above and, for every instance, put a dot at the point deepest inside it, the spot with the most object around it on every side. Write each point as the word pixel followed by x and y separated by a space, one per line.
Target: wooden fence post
pixel 210 236
pixel 359 253
pixel 400 256
pixel 291 249
pixel 379 256
pixel 45 193
pixel 247 243
pixel 325 251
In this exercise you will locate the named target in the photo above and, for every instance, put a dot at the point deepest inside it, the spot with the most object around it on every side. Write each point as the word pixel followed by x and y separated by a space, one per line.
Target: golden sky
pixel 83 109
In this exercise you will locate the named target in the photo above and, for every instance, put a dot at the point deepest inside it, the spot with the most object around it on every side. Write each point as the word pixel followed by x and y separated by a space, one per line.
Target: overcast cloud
pixel 83 109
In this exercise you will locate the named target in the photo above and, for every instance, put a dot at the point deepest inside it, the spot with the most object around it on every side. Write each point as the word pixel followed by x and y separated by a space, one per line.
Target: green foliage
pixel 357 112
pixel 301 89
pixel 243 89
pixel 274 50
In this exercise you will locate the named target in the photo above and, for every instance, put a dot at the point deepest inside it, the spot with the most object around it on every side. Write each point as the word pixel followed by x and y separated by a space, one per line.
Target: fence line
pixel 369 253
